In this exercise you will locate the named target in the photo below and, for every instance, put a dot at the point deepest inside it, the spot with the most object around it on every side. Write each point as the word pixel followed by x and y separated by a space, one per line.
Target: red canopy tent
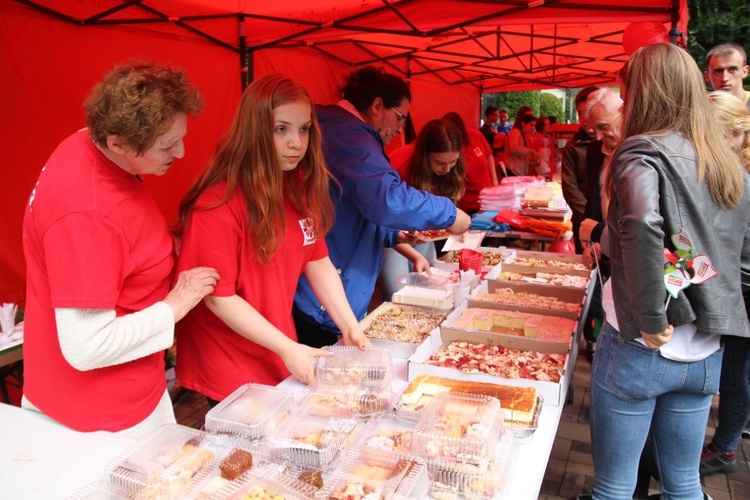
pixel 449 50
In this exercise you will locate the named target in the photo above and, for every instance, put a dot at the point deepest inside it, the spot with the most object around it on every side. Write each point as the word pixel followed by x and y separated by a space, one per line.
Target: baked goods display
pixel 499 360
pixel 237 462
pixel 371 475
pixel 310 440
pixel 402 324
pixel 389 433
pixel 455 485
pixel 531 325
pixel 557 264
pixel 170 482
pixel 352 381
pixel 458 432
pixel 431 234
pixel 489 258
pixel 353 366
pixel 518 404
pixel 162 465
pixel 345 400
pixel 547 278
pixel 312 477
pixel 252 411
pixel 509 297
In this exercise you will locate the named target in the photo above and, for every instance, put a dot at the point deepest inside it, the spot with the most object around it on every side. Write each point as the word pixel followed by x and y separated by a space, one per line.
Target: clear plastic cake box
pixel 369 368
pixel 312 440
pixel 369 472
pixel 553 393
pixel 270 484
pixel 459 432
pixel 388 433
pixel 397 349
pixel 169 461
pixel 493 484
pixel 251 412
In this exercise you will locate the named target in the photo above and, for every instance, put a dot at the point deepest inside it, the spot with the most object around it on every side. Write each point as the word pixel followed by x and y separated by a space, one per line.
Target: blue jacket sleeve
pixel 357 161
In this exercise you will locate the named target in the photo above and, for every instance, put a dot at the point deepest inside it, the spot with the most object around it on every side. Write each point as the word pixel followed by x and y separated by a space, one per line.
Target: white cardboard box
pixel 553 392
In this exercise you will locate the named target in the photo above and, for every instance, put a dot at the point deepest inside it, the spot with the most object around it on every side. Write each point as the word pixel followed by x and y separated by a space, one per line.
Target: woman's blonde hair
pixel 246 159
pixel 665 93
pixel 734 117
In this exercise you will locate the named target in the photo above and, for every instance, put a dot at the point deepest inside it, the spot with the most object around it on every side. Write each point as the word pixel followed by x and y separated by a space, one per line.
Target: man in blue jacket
pixel 373 206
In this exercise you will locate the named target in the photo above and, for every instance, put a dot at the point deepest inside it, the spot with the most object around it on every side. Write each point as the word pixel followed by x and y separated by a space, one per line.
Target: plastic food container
pixel 369 368
pixel 329 400
pixel 252 411
pixel 374 474
pixel 215 480
pixel 101 490
pixel 491 484
pixel 272 485
pixel 388 433
pixel 165 463
pixel 458 432
pixel 312 440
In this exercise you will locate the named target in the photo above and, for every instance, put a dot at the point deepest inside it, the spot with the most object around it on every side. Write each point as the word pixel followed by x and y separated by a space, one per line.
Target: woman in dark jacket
pixel 657 361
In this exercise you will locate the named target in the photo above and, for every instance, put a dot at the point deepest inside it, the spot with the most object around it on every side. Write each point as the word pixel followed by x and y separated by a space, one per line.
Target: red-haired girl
pixel 258 213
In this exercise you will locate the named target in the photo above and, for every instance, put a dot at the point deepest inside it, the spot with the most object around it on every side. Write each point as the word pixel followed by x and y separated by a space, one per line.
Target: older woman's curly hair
pixel 138 102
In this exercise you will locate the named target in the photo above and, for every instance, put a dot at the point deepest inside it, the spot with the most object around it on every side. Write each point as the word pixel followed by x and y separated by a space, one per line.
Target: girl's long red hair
pixel 246 159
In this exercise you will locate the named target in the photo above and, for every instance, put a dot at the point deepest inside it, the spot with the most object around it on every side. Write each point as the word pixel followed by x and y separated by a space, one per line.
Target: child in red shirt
pixel 259 214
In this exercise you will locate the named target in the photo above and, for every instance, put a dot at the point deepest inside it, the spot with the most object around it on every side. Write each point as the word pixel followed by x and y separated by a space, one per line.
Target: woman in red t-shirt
pixel 259 213
pixel 435 165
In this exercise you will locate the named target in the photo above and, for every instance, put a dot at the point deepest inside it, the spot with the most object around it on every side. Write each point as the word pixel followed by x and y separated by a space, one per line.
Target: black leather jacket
pixel 655 194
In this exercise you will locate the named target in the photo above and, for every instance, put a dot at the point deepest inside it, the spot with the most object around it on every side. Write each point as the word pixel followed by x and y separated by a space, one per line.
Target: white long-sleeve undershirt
pixel 95 338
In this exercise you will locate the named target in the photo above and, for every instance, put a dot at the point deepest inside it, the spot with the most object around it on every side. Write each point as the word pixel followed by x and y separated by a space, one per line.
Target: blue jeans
pixel 396 265
pixel 734 403
pixel 633 388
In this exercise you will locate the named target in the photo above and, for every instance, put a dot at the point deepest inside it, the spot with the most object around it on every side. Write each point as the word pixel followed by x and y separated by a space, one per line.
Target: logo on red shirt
pixel 308 230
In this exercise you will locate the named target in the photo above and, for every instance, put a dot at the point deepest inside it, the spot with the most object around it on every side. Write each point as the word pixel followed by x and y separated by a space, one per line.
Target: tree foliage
pixel 551 105
pixel 514 100
pixel 717 21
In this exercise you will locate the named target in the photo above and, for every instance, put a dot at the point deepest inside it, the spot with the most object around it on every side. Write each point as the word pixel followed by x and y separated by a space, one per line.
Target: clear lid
pixel 368 368
pixel 328 400
pixel 101 491
pixel 216 479
pixel 422 280
pixel 312 440
pixel 252 411
pixel 388 433
pixel 458 432
pixel 376 474
pixel 164 462
pixel 272 485
pixel 490 484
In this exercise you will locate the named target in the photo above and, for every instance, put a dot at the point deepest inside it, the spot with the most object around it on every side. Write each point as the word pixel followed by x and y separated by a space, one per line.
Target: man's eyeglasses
pixel 400 116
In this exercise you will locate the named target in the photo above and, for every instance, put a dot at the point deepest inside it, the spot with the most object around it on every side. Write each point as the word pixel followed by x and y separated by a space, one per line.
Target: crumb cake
pixel 558 264
pixel 547 278
pixel 509 297
pixel 402 324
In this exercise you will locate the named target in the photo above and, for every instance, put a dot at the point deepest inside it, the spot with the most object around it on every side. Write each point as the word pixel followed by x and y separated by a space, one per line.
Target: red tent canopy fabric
pixel 449 50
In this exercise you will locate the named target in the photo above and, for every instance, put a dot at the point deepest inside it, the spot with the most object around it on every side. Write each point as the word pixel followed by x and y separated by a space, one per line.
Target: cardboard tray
pixel 535 342
pixel 553 393
pixel 398 349
pixel 573 296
